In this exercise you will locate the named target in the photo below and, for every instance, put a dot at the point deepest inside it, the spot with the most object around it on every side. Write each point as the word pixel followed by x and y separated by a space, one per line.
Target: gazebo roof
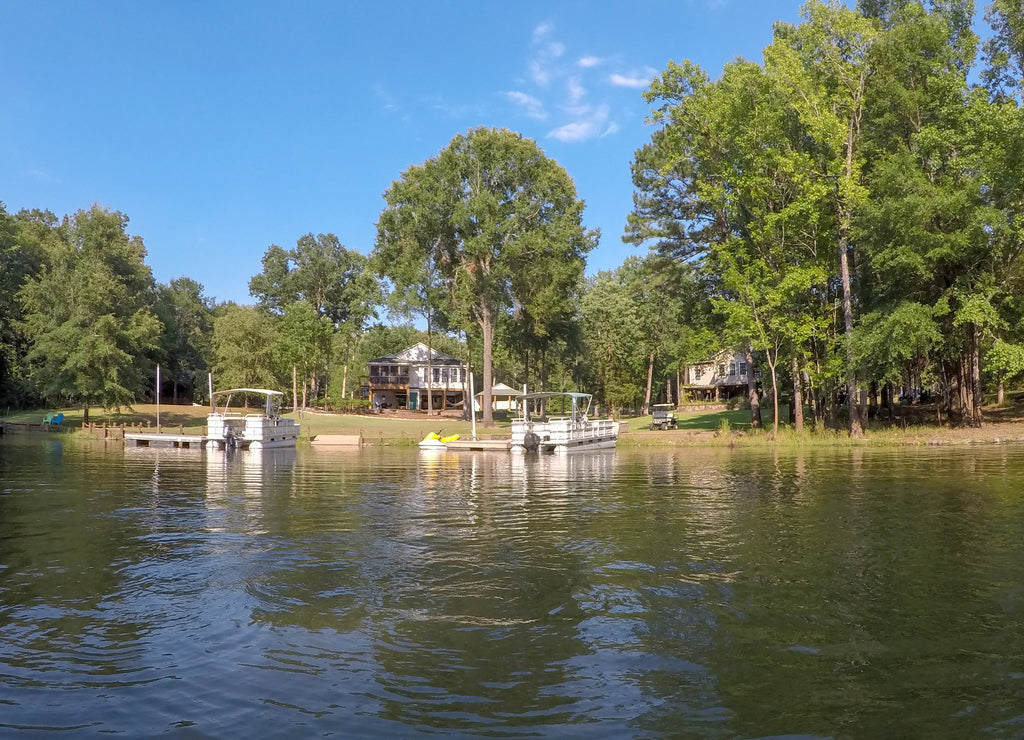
pixel 501 390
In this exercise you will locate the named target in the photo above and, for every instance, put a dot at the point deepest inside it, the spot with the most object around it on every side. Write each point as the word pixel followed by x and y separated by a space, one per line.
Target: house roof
pixel 721 355
pixel 502 391
pixel 415 355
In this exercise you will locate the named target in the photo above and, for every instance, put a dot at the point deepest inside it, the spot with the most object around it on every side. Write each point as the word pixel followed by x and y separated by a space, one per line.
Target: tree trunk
pixel 852 130
pixel 668 390
pixel 755 402
pixel 963 389
pixel 650 380
pixel 1000 393
pixel 798 395
pixel 430 370
pixel 305 384
pixel 295 389
pixel 856 430
pixel 976 399
pixel 487 340
pixel 775 392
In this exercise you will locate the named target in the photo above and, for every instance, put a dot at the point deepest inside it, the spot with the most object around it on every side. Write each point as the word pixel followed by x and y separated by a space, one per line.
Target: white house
pixel 399 381
pixel 722 376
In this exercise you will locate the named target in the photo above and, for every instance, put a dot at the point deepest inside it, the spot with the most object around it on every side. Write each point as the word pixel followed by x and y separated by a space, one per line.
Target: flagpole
pixel 472 403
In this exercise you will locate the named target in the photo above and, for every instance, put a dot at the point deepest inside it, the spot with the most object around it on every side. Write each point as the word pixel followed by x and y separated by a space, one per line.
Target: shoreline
pixel 1007 427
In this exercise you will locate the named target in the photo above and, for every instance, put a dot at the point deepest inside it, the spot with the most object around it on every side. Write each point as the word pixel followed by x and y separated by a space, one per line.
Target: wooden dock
pixel 174 441
pixel 489 444
pixel 337 440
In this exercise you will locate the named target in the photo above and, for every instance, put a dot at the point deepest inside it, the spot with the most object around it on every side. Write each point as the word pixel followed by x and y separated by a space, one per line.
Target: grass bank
pixel 729 428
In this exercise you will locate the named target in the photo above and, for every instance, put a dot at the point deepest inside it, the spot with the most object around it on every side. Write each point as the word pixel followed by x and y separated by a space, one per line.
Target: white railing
pixel 561 431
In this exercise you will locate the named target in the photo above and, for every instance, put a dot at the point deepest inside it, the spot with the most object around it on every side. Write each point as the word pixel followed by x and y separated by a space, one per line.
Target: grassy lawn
pixel 192 420
pixel 709 421
pixel 918 426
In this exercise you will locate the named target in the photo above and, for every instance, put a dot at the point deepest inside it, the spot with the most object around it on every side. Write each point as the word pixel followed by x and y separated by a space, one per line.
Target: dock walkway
pixel 480 445
pixel 155 439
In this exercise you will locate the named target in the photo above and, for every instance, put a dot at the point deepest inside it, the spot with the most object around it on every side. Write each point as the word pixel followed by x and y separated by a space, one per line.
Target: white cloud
pixel 573 132
pixel 590 122
pixel 533 107
pixel 545 54
pixel 40 175
pixel 587 62
pixel 387 102
pixel 539 73
pixel 576 91
pixel 635 80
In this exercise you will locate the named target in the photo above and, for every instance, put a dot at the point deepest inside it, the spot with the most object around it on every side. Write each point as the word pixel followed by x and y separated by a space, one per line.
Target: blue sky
pixel 221 128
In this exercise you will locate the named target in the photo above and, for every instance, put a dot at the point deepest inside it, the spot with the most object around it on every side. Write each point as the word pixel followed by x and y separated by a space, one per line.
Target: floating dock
pixel 174 441
pixel 479 445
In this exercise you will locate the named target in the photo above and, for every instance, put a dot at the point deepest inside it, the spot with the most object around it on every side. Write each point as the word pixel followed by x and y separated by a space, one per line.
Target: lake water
pixel 386 593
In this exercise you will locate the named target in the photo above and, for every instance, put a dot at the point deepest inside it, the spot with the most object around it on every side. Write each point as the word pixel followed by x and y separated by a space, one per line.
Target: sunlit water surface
pixel 388 593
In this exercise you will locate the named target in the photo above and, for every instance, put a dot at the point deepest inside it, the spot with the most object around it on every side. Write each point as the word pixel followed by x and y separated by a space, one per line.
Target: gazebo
pixel 499 391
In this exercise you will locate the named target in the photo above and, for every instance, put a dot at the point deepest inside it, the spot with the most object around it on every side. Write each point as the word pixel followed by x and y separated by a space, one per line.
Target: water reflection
pixel 621 593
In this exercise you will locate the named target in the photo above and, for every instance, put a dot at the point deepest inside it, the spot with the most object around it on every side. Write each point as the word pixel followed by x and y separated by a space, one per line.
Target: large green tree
pixel 246 348
pixel 497 222
pixel 614 339
pixel 336 282
pixel 187 318
pixel 87 313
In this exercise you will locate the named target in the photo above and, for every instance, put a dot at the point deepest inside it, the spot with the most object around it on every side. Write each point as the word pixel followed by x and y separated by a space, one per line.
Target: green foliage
pixel 246 349
pixel 87 312
pixel 614 339
pixel 185 343
pixel 320 271
pixel 489 227
pixel 895 345
pixel 855 170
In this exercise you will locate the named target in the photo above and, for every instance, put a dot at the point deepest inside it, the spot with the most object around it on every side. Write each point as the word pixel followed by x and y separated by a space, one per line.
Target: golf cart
pixel 662 416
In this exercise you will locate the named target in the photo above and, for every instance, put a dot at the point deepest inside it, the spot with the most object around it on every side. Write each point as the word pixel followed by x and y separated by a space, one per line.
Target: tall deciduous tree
pixel 187 318
pixel 88 313
pixel 823 65
pixel 336 282
pixel 19 260
pixel 246 348
pixel 499 221
pixel 613 337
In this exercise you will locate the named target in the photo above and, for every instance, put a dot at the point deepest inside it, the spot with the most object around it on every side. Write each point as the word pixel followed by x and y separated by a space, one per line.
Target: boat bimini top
pixel 272 404
pixel 579 403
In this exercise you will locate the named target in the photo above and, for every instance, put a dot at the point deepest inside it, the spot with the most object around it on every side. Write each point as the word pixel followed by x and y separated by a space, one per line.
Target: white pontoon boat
pixel 247 429
pixel 534 430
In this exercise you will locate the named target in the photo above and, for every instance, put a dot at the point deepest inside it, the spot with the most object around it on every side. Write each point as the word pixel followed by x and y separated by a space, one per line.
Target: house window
pixel 698 372
pixel 446 375
pixel 732 368
pixel 721 370
pixel 743 369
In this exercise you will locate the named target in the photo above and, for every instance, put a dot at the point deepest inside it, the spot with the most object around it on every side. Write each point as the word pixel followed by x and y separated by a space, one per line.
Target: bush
pixel 349 405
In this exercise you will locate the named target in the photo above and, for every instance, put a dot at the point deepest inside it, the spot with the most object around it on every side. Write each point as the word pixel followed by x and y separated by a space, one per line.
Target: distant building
pixel 399 381
pixel 717 378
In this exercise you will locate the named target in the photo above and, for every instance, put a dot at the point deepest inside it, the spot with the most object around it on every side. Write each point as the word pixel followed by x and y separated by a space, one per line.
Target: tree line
pixel 850 207
pixel 485 241
pixel 844 212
